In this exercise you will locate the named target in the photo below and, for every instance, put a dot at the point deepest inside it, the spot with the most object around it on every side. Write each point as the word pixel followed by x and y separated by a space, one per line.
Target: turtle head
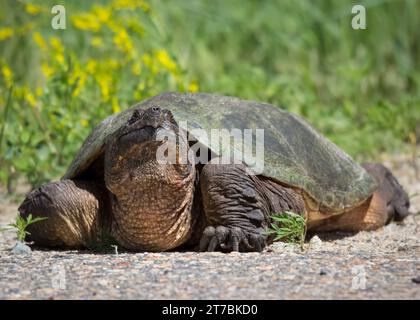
pixel 152 197
pixel 144 125
pixel 142 138
pixel 140 133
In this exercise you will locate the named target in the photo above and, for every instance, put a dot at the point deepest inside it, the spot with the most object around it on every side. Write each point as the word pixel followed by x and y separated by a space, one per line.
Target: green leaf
pixel 21 224
pixel 288 226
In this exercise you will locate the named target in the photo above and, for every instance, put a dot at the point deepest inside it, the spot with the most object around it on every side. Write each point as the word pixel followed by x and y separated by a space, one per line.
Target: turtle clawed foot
pixel 229 239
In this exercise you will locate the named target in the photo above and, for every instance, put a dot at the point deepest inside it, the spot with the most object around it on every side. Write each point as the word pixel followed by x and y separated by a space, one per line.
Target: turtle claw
pixel 229 239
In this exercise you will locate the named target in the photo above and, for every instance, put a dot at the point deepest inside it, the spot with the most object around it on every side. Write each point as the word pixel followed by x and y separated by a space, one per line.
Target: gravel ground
pixel 383 264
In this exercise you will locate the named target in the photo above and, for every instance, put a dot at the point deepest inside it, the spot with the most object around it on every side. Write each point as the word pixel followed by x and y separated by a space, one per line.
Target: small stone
pixel 21 248
pixel 403 247
pixel 322 272
pixel 416 280
pixel 315 242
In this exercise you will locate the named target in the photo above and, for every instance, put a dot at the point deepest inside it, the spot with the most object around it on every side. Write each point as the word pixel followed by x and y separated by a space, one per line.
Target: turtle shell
pixel 295 154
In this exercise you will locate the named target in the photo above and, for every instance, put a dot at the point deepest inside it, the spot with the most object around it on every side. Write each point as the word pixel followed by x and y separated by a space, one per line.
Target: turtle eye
pixel 136 114
pixel 170 115
pixel 134 117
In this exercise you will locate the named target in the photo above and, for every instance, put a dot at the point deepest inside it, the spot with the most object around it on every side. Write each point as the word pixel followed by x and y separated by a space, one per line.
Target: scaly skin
pixel 151 203
pixel 149 206
pixel 77 213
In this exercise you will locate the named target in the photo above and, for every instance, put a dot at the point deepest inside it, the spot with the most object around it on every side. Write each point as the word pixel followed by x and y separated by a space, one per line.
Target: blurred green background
pixel 358 87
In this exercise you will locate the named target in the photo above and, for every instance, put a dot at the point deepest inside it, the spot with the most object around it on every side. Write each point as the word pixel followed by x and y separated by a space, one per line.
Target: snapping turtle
pixel 124 182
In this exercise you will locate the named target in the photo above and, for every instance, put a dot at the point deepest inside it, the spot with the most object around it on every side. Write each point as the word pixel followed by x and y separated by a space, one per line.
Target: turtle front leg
pixel 75 212
pixel 236 212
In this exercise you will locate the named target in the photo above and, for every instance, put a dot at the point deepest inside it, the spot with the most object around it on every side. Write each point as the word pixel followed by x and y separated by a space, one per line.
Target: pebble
pixel 21 248
pixel 315 243
pixel 416 280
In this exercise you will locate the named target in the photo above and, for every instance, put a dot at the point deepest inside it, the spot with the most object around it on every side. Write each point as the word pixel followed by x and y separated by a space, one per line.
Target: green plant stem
pixel 6 115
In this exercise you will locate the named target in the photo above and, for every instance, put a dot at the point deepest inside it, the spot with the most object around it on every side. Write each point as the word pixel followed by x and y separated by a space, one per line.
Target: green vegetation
pixel 288 227
pixel 21 225
pixel 358 87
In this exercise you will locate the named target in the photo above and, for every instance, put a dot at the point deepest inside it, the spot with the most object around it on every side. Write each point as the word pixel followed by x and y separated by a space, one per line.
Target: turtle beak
pixel 148 125
pixel 139 135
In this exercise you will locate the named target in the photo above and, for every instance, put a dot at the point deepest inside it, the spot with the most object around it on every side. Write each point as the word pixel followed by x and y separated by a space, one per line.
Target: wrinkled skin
pixel 151 206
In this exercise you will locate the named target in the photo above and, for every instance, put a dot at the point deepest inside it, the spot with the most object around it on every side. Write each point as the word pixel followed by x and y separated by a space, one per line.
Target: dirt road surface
pixel 383 264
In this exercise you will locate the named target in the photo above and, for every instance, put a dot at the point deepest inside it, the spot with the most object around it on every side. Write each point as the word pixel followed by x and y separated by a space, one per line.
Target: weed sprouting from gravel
pixel 289 227
pixel 21 224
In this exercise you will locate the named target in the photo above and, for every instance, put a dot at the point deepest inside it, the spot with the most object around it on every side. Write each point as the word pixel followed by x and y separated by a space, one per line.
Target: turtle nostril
pixel 155 109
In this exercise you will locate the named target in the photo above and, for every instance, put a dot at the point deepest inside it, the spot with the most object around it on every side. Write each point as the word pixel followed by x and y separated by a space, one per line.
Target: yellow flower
pixel 5 33
pixel 79 87
pixel 86 21
pixel 32 9
pixel 97 42
pixel 47 70
pixel 150 63
pixel 115 106
pixel 84 122
pixel 102 13
pixel 59 57
pixel 56 44
pixel 30 99
pixel 58 48
pixel 104 82
pixel 165 60
pixel 39 40
pixel 38 91
pixel 91 66
pixel 78 77
pixel 7 75
pixel 112 64
pixel 123 41
pixel 136 68
pixel 131 4
pixel 193 87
